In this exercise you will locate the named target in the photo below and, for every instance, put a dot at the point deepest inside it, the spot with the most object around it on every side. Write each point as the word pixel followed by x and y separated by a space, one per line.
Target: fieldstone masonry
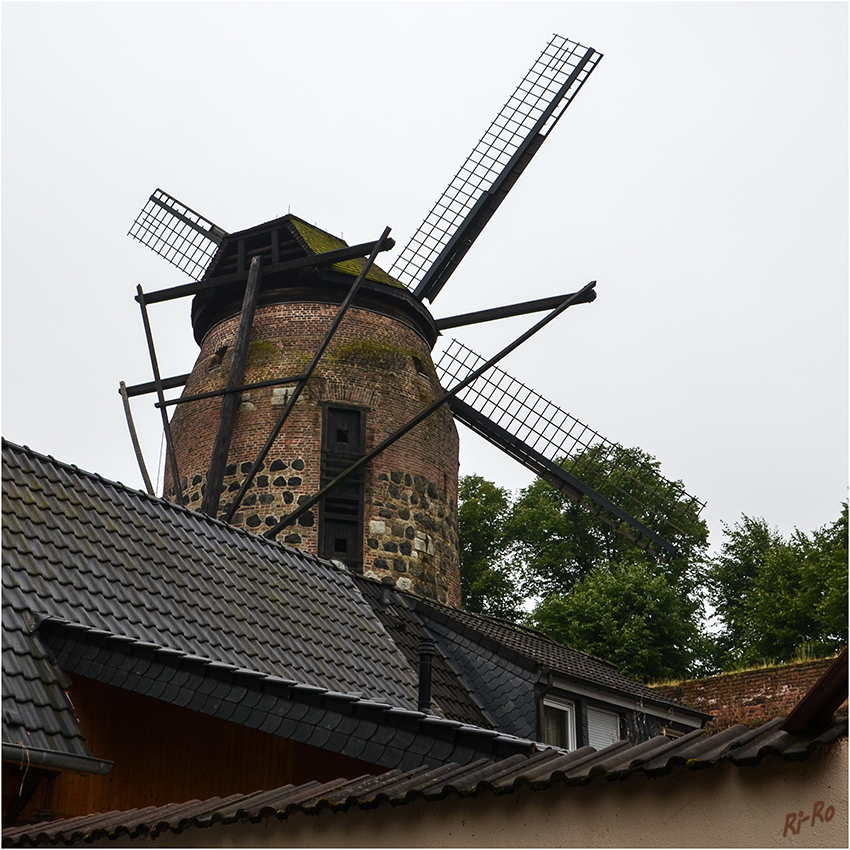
pixel 378 363
pixel 275 491
pixel 414 539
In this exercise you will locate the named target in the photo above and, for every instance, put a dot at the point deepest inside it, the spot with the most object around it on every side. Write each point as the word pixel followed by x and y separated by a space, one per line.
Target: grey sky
pixel 700 176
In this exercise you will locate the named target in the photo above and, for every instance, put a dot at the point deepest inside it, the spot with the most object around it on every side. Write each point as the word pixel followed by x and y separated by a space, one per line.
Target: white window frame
pixel 569 710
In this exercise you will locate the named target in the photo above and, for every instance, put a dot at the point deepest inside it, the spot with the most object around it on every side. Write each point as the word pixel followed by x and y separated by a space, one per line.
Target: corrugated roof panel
pixel 539 771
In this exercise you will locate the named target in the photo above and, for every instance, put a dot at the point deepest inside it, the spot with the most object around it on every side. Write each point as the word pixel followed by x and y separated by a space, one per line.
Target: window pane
pixel 553 726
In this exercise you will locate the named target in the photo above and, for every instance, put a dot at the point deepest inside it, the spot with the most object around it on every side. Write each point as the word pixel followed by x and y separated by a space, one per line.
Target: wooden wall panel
pixel 165 754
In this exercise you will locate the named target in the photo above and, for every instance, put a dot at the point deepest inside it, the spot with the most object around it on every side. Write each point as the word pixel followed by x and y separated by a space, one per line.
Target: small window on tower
pixel 343 431
pixel 420 368
pixel 341 511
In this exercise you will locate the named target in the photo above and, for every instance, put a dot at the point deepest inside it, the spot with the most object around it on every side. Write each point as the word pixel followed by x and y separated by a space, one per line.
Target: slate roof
pixel 395 611
pixel 108 582
pixel 654 758
pixel 524 646
pixel 109 574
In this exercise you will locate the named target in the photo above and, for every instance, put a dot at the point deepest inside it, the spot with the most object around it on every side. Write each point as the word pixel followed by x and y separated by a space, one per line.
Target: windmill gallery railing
pixel 617 484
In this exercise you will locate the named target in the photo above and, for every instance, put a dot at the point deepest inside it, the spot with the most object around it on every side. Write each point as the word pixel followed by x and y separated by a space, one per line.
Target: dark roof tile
pixel 522 644
pixel 85 550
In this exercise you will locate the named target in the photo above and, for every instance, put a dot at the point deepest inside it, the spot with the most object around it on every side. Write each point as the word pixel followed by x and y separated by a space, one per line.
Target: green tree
pixel 557 541
pixel 486 579
pixel 779 599
pixel 626 613
pixel 595 589
pixel 825 572
pixel 601 591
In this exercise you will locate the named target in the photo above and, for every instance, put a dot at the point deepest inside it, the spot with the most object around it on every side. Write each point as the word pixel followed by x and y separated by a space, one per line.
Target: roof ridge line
pixel 460 619
pixel 520 627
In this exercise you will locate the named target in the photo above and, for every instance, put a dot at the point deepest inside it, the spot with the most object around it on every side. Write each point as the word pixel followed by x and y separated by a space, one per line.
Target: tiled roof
pixel 36 710
pixel 523 644
pixel 395 611
pixel 90 552
pixel 108 582
pixel 737 746
pixel 485 670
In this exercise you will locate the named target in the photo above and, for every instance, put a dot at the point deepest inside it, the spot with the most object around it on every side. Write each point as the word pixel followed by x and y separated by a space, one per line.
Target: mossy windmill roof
pixel 318 241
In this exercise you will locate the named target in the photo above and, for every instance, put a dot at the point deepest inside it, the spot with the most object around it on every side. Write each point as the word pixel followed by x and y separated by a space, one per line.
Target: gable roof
pixel 108 582
pixel 87 560
pixel 737 746
pixel 409 619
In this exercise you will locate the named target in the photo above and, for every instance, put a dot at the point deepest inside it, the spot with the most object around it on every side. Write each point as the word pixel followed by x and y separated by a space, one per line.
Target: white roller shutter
pixel 603 728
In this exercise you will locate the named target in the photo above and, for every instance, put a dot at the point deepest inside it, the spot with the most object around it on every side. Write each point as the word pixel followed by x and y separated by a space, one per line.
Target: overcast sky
pixel 700 177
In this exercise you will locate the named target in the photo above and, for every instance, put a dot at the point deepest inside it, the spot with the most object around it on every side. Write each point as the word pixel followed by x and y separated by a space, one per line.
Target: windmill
pixel 357 430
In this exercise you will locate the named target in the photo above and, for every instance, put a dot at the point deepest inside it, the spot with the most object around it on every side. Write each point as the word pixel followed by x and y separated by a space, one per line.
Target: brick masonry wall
pixel 749 697
pixel 375 363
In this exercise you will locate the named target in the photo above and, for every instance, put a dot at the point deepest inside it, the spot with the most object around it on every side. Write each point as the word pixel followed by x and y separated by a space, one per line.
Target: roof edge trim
pixel 660 707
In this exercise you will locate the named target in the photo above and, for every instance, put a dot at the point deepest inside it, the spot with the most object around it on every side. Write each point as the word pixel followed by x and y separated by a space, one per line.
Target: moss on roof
pixel 320 242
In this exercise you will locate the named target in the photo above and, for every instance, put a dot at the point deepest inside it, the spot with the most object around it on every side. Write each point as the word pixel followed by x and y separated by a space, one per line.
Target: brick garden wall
pixel 749 697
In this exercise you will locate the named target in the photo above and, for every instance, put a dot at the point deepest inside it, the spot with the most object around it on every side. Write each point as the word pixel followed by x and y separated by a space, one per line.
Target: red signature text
pixel 794 821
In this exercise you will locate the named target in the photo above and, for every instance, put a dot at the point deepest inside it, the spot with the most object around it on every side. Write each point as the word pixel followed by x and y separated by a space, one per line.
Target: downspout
pixel 21 754
pixel 547 672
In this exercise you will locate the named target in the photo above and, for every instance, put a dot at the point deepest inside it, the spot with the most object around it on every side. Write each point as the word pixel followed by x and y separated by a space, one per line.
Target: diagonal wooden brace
pixel 230 402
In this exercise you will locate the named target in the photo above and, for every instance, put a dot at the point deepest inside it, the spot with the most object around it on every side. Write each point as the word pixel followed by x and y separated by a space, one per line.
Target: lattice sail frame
pixel 631 482
pixel 179 234
pixel 532 110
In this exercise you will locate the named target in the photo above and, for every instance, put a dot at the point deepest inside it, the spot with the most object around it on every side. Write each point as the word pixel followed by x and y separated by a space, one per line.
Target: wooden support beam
pixel 230 402
pixel 181 380
pixel 521 309
pixel 122 389
pixel 166 427
pixel 328 258
pixel 273 382
pixel 234 505
pixel 287 520
pixel 150 386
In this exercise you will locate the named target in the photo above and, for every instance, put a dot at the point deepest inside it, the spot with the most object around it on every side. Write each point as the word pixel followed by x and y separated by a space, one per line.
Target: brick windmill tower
pixel 314 410
pixel 398 513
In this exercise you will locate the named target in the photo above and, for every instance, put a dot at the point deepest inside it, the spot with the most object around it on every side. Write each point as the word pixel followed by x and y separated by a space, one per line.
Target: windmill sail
pixel 494 165
pixel 617 484
pixel 174 231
